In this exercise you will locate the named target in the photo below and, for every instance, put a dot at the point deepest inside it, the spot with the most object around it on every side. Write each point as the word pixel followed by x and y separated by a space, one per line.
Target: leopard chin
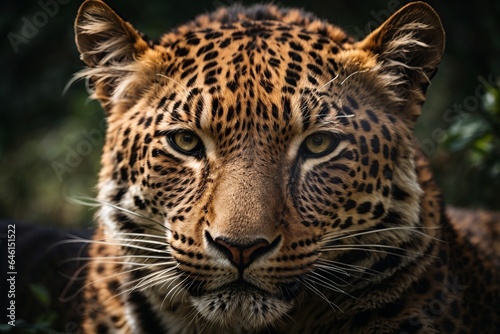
pixel 241 309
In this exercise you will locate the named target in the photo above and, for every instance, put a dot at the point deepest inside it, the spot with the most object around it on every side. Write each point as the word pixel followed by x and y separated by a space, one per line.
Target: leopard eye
pixel 319 144
pixel 186 142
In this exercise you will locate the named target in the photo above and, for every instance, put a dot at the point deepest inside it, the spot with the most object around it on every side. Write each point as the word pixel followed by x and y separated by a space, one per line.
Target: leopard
pixel 260 174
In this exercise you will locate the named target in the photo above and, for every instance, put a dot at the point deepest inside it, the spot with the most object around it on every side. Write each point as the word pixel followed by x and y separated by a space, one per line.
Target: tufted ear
pixel 408 47
pixel 109 46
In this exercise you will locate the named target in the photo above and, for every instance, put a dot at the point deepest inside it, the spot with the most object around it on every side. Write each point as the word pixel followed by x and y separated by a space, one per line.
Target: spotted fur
pixel 260 175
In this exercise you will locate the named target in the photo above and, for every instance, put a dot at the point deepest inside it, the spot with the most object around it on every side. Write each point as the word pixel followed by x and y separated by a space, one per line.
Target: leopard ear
pixel 109 46
pixel 409 46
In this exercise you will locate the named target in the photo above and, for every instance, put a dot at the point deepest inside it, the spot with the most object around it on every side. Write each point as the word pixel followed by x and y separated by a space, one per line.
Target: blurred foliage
pixel 43 322
pixel 474 146
pixel 50 141
pixel 478 135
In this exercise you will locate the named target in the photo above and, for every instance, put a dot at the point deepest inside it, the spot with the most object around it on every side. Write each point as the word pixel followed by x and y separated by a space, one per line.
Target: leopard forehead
pixel 255 83
pixel 258 62
pixel 253 79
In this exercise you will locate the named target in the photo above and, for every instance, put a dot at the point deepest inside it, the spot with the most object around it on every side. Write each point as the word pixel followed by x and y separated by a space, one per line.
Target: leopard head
pixel 260 161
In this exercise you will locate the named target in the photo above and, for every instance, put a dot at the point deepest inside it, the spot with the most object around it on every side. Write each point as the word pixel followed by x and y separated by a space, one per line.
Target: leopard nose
pixel 242 254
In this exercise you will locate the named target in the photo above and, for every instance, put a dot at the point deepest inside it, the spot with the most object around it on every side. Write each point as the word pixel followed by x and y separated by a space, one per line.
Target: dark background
pixel 50 142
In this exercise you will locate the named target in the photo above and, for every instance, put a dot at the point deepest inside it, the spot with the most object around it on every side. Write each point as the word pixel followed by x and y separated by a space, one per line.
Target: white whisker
pixel 328 83
pixel 94 202
pixel 368 250
pixel 413 229
pixel 321 280
pixel 184 89
pixel 348 266
pixel 350 75
pixel 311 287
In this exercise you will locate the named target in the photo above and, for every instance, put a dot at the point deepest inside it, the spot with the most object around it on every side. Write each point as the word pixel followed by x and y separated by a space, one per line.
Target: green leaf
pixel 41 294
pixel 461 136
pixel 5 328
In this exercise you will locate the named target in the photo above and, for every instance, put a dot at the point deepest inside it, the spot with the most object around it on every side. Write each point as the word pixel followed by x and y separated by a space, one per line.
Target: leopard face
pixel 259 165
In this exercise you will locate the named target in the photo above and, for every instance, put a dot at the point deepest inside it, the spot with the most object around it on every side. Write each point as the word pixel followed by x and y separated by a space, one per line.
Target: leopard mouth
pixel 244 306
pixel 285 291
